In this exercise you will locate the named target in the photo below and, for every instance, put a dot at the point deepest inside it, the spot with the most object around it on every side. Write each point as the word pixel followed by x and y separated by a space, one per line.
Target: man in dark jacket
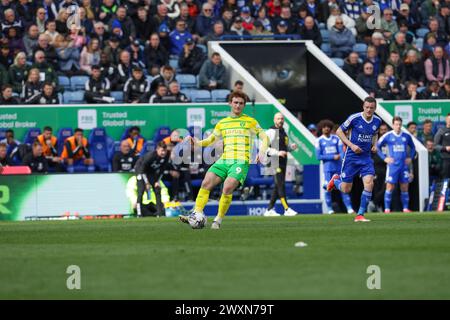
pixel 36 160
pixel 156 55
pixel 213 74
pixel 7 98
pixel 442 144
pixel 47 95
pixel 97 89
pixel 310 31
pixel 136 86
pixel 50 52
pixel 352 66
pixel 192 58
pixel 367 79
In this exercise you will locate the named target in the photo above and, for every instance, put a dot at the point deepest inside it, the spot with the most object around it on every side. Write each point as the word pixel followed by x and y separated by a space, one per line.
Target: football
pixel 197 220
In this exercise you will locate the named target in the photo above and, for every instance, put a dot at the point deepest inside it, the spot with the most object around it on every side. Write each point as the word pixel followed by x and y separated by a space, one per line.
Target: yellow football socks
pixel 284 203
pixel 202 200
pixel 224 205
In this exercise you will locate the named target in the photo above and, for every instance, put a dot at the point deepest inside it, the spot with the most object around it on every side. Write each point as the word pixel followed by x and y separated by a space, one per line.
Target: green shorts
pixel 229 168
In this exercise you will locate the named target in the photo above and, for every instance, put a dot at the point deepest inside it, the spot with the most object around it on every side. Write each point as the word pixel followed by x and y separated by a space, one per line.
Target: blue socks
pixel 366 196
pixel 347 201
pixel 328 200
pixel 387 199
pixel 337 184
pixel 405 200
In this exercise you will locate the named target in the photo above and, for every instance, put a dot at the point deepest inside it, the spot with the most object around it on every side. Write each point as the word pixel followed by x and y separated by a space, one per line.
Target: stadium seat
pixel 325 35
pixel 339 62
pixel 201 96
pixel 219 95
pixel 419 44
pixel 254 177
pixel 360 48
pixel 31 135
pixel 421 89
pixel 322 26
pixel 326 48
pixel 149 146
pixel 74 97
pixel 98 149
pixel 149 78
pixel 78 82
pixel 188 93
pixel 60 98
pixel 186 81
pixel 173 63
pixel 113 148
pixel 161 133
pixel 118 96
pixel 63 134
pixel 64 82
pixel 421 32
pixel 2 134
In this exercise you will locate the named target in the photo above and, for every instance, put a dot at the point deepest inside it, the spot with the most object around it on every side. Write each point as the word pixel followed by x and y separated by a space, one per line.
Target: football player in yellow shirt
pixel 238 132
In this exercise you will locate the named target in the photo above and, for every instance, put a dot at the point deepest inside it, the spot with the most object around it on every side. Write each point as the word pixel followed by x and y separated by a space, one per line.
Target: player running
pixel 398 160
pixel 362 131
pixel 237 131
pixel 329 149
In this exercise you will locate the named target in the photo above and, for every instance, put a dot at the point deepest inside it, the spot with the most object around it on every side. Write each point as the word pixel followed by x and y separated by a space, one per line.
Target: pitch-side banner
pixel 116 118
pixel 418 111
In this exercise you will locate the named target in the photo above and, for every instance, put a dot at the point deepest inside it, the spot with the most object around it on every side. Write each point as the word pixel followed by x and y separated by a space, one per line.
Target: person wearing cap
pixel 136 87
pixel 341 39
pixel 310 31
pixel 191 59
pixel 125 22
pixel 155 54
pixel 247 19
pixel 237 28
pixel 113 50
pixel 405 16
pixel 97 89
pixel 178 37
pixel 213 74
pixel 313 129
pixel 281 28
pixel 164 39
pixel 205 20
pixel 286 16
pixel 136 54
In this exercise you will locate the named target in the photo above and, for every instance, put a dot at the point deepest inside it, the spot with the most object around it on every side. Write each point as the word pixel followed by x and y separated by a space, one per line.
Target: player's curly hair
pixel 236 94
pixel 325 123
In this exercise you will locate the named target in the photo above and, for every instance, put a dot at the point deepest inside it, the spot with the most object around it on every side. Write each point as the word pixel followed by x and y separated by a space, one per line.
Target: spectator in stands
pixel 286 16
pixel 414 70
pixel 362 26
pixel 264 19
pixel 446 89
pixel 411 93
pixel 392 81
pixel 4 158
pixel 76 152
pixel 400 45
pixel 25 11
pixel 11 143
pixel 395 61
pixel 226 18
pixel 247 19
pixel 112 50
pixel 313 129
pixel 442 145
pixel 302 14
pixel 341 39
pixel 434 161
pixel 30 40
pixel 10 21
pixel 412 128
pixel 388 24
pixel 312 7
pixel 194 9
pixel 383 91
pixel 15 42
pixel 213 74
pixel 367 79
pixel 437 67
pixel 125 23
pixel 156 55
pixel 352 66
pixel 428 9
pixel 136 87
pixel 49 148
pixel 161 16
pixel 97 88
pixel 101 34
pixel 144 24
pixel 378 41
pixel 205 20
pixel 68 55
pixel 192 57
pixel 46 96
pixel 18 72
pixel 160 94
pixel 174 94
pixel 91 10
pixel 124 69
pixel 407 17
pixel 35 159
pixel 32 87
pixel 46 71
pixel 107 9
pixel 336 14
pixel 427 131
pixel 3 75
pixel 440 36
pixel 7 96
pixel 259 30
pixel 40 20
pixel 238 30
pixel 217 33
pixel 433 91
pixel 443 17
pixel 324 9
pixel 50 31
pixel 187 18
pixel 372 57
pixel 164 39
pixel 108 70
pixel 135 140
pixel 61 22
pixel 124 160
pixel 87 27
pixel 166 76
pixel 90 55
pixel 6 59
pixel 238 87
pixel 178 37
pixel 310 31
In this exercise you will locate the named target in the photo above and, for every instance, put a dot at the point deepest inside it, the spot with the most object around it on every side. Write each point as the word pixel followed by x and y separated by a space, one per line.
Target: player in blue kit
pixel 362 130
pixel 329 149
pixel 398 159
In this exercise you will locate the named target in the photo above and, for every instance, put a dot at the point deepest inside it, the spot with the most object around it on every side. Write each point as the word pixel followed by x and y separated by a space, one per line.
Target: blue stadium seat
pixel 173 63
pixel 254 177
pixel 74 97
pixel 195 131
pixel 421 89
pixel 201 96
pixel 339 62
pixel 78 82
pixel 421 32
pixel 322 26
pixel 325 35
pixel 149 146
pixel 64 82
pixel 188 93
pixel 118 96
pixel 203 47
pixel 186 81
pixel 326 48
pixel 149 78
pixel 60 98
pixel 99 149
pixel 113 148
pixel 419 43
pixel 2 134
pixel 63 134
pixel 161 133
pixel 360 48
pixel 219 95
pixel 31 135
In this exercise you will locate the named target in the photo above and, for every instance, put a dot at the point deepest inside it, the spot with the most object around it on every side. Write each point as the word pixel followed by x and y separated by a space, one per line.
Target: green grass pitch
pixel 249 258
